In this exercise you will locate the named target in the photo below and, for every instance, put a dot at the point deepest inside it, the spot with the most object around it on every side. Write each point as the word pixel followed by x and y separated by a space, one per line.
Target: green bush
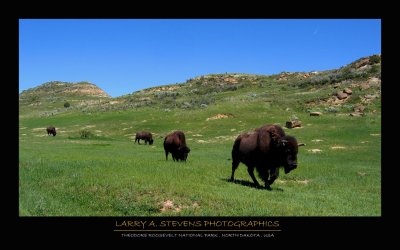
pixel 66 104
pixel 85 134
pixel 374 59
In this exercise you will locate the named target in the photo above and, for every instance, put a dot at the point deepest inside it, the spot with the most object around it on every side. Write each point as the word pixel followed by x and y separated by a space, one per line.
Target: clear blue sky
pixel 126 55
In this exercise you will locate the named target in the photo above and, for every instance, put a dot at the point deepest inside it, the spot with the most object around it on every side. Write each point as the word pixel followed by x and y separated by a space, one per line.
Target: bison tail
pixel 235 149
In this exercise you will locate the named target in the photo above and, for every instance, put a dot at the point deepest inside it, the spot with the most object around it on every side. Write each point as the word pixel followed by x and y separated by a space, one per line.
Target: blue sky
pixel 126 55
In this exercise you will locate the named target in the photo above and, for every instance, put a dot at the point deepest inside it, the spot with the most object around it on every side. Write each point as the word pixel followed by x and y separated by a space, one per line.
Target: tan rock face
pixel 315 113
pixel 342 95
pixel 347 91
pixel 86 90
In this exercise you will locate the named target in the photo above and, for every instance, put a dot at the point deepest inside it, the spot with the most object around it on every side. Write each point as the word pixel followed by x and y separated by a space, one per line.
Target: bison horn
pixel 301 144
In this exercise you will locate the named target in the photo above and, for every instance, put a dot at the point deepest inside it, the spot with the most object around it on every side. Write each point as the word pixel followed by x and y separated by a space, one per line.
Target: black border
pixel 327 229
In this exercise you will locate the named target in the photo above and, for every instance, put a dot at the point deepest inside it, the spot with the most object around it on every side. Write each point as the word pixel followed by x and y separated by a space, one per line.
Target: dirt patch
pixel 169 205
pixel 230 80
pixel 23 128
pixel 116 102
pixel 338 147
pixel 89 126
pixel 304 182
pixel 317 140
pixel 65 131
pixel 225 138
pixel 164 89
pixel 220 116
pixel 362 173
pixel 38 129
pixel 375 134
pixel 126 128
pixel 315 150
pixel 362 142
pixel 197 135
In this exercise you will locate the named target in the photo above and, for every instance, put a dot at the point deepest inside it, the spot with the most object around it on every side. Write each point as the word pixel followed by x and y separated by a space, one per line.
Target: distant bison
pixel 51 131
pixel 175 143
pixel 146 136
pixel 266 149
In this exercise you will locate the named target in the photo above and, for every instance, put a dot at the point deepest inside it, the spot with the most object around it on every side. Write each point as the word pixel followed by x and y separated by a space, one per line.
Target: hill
pixel 317 91
pixel 49 98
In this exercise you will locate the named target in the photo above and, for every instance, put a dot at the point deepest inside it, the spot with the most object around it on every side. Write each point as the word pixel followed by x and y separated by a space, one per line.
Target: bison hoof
pixel 268 188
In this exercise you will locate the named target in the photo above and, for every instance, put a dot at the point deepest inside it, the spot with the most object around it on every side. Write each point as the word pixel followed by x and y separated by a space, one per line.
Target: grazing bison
pixel 146 136
pixel 175 143
pixel 266 149
pixel 51 131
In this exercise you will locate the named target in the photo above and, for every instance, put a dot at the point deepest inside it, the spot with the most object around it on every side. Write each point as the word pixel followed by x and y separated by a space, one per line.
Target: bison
pixel 175 143
pixel 266 149
pixel 146 136
pixel 51 131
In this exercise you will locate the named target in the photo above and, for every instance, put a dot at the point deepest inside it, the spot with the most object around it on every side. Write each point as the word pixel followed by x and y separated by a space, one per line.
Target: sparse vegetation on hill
pixel 304 90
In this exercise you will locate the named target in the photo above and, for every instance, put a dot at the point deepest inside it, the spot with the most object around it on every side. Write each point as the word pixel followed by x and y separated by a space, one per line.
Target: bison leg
pixel 274 173
pixel 250 170
pixel 166 155
pixel 235 165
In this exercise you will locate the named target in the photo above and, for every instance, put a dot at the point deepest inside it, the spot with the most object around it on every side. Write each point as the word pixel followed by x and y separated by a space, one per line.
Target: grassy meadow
pixel 107 174
pixel 338 174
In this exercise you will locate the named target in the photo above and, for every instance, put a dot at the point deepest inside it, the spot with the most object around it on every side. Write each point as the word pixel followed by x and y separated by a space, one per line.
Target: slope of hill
pixel 49 98
pixel 318 91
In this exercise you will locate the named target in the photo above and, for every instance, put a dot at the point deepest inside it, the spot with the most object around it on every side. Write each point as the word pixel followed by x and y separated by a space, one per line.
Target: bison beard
pixel 175 143
pixel 266 149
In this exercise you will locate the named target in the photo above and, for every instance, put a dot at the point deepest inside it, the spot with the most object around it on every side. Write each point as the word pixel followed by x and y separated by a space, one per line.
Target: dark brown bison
pixel 146 136
pixel 51 131
pixel 175 143
pixel 266 149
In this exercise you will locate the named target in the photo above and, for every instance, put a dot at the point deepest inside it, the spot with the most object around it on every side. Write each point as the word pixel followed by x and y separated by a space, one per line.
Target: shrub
pixel 374 59
pixel 294 118
pixel 85 134
pixel 375 69
pixel 66 104
pixel 332 109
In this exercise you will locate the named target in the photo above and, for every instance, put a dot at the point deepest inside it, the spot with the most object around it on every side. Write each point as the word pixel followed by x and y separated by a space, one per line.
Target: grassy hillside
pixel 339 172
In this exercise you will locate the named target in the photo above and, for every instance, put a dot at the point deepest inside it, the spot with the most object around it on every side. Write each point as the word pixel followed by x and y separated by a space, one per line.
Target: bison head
pixel 288 149
pixel 183 152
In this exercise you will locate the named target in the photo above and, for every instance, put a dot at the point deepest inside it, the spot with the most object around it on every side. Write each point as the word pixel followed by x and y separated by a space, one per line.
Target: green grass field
pixel 338 174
